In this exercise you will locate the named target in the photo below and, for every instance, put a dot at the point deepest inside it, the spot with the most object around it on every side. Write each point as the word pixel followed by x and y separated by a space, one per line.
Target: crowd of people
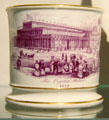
pixel 75 65
pixel 78 67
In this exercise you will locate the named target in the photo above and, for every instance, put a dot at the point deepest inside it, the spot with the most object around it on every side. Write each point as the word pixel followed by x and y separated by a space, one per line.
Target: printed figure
pixel 66 58
pixel 55 66
pixel 76 68
pixel 71 65
pixel 85 69
pixel 21 53
pixel 19 63
pixel 41 67
pixel 37 71
pixel 66 67
pixel 80 67
pixel 62 62
pixel 52 64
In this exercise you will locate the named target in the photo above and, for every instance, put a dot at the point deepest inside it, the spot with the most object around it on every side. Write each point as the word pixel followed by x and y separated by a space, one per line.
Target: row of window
pixel 44 43
pixel 25 32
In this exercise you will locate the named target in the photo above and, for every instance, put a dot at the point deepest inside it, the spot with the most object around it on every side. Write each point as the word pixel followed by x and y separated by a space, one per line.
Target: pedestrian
pixel 19 63
pixel 52 64
pixel 74 62
pixel 55 67
pixel 85 68
pixel 80 67
pixel 37 71
pixel 41 67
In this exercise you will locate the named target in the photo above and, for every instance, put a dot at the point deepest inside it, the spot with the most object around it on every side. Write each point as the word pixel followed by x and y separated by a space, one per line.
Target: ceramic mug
pixel 54 46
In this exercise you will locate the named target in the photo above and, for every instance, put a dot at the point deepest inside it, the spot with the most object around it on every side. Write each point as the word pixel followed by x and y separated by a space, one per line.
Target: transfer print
pixel 47 49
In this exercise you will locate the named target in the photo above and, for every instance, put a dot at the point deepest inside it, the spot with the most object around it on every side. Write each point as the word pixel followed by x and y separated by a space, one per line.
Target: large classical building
pixel 46 36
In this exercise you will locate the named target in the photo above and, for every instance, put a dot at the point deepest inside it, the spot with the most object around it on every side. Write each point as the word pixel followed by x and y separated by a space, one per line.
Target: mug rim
pixel 59 6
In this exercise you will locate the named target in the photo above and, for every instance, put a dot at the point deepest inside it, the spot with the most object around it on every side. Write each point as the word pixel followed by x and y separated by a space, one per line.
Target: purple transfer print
pixel 39 36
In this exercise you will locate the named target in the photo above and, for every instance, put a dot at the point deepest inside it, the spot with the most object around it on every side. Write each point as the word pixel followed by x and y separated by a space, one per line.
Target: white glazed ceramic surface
pixel 54 46
pixel 57 100
pixel 89 112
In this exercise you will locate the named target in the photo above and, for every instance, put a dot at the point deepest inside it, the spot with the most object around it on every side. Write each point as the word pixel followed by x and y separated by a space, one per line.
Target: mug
pixel 55 47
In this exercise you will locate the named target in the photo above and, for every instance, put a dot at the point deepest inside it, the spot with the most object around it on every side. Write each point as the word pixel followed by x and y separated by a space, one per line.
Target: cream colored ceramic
pixel 57 100
pixel 22 112
pixel 54 51
pixel 54 46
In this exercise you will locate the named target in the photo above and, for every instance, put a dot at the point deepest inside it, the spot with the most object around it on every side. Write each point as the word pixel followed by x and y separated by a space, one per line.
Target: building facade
pixel 45 36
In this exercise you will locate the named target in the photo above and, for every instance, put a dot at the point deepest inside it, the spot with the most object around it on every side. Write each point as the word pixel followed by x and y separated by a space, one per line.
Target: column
pixel 49 43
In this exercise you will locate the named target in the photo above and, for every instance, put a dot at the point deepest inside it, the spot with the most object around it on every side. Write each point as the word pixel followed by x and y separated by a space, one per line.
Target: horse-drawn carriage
pixel 25 61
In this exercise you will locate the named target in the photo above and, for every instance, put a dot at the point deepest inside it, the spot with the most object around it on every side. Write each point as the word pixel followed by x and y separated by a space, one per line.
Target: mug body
pixel 54 46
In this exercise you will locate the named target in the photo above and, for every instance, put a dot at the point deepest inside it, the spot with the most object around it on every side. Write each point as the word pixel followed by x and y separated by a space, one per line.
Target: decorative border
pixel 33 102
pixel 58 6
pixel 24 87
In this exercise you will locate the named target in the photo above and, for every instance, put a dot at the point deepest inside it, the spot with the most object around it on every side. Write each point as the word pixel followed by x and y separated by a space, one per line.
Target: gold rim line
pixel 33 102
pixel 24 87
pixel 57 5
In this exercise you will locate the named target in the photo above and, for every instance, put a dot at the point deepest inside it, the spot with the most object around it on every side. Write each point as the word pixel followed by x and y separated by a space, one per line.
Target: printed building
pixel 46 36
